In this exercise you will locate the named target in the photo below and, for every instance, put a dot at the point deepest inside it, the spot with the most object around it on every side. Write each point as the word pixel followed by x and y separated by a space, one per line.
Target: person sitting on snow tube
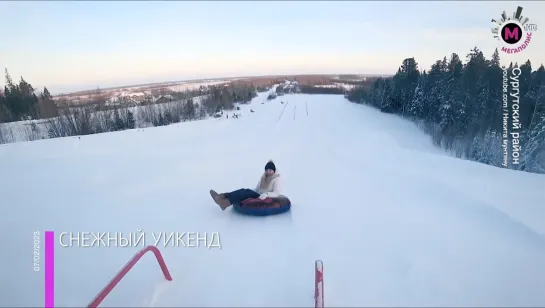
pixel 268 186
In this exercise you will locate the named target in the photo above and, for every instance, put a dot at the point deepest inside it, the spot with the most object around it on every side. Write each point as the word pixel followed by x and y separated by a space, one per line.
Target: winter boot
pixel 220 200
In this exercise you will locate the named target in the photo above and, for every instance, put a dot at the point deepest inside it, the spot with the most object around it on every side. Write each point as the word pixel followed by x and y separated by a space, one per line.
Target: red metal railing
pixel 319 284
pixel 117 278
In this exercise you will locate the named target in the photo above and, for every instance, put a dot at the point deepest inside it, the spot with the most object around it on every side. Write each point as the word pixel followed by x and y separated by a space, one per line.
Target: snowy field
pixel 146 89
pixel 346 86
pixel 176 87
pixel 396 221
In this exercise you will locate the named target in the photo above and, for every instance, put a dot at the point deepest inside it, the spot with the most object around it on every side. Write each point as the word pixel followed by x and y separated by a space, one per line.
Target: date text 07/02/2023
pixel 36 251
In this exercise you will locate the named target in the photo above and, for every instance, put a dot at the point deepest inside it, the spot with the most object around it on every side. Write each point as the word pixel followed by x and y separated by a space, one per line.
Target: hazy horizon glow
pixel 69 46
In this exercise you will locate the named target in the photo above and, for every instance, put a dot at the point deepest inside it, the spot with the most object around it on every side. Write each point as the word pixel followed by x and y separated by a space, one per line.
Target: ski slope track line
pixel 282 113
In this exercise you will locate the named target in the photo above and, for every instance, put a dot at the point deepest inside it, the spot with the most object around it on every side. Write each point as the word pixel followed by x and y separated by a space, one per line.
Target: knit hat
pixel 270 165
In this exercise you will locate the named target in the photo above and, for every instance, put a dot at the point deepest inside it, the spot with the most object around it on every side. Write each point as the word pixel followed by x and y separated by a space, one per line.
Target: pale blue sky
pixel 74 45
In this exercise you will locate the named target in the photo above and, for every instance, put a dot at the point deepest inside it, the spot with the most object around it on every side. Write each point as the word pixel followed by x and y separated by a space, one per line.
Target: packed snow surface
pixel 395 221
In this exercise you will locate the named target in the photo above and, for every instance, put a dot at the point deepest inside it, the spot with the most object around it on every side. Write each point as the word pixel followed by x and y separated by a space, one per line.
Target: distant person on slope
pixel 268 186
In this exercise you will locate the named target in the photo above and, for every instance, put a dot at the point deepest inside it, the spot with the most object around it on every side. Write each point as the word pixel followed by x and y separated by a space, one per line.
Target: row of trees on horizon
pixel 20 101
pixel 460 106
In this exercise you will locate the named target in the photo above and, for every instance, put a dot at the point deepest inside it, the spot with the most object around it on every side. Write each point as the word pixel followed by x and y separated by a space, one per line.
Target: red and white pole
pixel 319 284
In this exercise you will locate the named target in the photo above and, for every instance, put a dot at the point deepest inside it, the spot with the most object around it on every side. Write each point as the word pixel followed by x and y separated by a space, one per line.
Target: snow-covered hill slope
pixel 396 221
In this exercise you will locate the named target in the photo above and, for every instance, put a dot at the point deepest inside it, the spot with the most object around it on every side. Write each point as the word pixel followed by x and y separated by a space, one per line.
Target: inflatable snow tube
pixel 266 207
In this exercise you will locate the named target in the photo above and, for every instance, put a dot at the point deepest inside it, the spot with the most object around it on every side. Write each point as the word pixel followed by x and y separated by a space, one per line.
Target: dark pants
pixel 240 195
